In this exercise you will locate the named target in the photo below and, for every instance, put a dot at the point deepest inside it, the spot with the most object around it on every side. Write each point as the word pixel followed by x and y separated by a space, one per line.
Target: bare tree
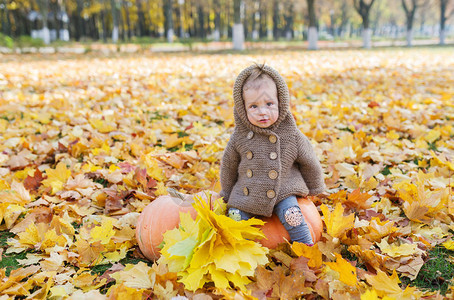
pixel 312 35
pixel 364 9
pixel 410 14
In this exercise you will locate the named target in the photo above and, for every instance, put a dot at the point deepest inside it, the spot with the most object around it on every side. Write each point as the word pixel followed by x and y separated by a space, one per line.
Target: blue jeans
pixel 289 214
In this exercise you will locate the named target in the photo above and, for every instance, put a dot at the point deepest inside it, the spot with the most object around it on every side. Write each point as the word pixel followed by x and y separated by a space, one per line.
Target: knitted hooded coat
pixel 262 166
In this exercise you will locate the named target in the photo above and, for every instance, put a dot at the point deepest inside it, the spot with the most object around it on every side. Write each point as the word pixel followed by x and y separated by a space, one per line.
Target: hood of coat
pixel 239 111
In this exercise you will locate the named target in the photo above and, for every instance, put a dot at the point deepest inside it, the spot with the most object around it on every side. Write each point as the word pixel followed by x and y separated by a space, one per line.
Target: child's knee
pixel 293 216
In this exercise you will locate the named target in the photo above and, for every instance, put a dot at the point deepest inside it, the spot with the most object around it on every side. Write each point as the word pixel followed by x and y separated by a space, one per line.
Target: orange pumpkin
pixel 161 215
pixel 164 214
pixel 275 231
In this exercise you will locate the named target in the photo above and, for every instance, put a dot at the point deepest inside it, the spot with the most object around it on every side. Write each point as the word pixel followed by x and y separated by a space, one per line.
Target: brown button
pixel 245 191
pixel 273 139
pixel 272 174
pixel 271 194
pixel 273 155
pixel 250 135
pixel 249 155
pixel 249 173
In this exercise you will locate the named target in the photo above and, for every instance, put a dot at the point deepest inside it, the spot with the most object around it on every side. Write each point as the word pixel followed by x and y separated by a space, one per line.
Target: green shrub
pixel 28 41
pixel 6 41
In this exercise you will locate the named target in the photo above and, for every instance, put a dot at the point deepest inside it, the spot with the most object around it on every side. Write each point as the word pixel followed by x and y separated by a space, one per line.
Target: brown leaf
pixel 32 183
pixel 356 199
pixel 300 264
pixel 89 253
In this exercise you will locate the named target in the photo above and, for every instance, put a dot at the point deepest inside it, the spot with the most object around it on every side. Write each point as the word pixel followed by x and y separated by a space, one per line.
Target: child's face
pixel 262 105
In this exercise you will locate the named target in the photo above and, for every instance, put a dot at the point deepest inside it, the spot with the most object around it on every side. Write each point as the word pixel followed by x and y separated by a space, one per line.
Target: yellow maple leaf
pixel 123 292
pixel 139 276
pixel 153 169
pixel 389 286
pixel 174 140
pixel 432 135
pixel 213 248
pixel 449 245
pixel 398 250
pixel 51 239
pixel 372 295
pixel 336 223
pixel 57 177
pixel 104 149
pixel 83 280
pixel 104 232
pixel 10 214
pixel 379 229
pixel 167 292
pixel 115 256
pixel 58 292
pixel 347 272
pixel 419 202
pixel 442 161
pixel 89 253
pixel 312 252
pixel 102 126
pixel 30 237
pixel 41 237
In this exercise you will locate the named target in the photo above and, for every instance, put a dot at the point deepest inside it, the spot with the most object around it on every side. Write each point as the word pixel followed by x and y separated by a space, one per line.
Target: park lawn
pixel 88 141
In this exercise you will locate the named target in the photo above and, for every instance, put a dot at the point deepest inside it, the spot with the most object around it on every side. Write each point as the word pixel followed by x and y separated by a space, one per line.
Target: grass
pixel 10 263
pixel 437 271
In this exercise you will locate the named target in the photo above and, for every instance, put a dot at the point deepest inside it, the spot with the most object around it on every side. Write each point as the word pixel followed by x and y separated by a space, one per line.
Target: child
pixel 268 161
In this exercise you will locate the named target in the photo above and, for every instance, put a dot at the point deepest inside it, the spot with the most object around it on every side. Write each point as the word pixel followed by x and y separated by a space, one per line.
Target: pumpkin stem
pixel 174 193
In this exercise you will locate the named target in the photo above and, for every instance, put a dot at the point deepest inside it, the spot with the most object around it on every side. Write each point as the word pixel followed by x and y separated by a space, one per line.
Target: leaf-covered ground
pixel 86 143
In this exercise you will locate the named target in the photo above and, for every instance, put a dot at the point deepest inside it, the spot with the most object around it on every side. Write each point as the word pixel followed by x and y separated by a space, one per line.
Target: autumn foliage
pixel 87 143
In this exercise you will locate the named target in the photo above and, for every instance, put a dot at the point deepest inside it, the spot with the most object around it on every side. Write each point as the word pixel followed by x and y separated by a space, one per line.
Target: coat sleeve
pixel 229 169
pixel 309 166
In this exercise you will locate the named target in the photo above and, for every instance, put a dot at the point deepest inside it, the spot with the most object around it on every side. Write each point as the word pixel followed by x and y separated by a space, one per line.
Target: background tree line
pixel 133 20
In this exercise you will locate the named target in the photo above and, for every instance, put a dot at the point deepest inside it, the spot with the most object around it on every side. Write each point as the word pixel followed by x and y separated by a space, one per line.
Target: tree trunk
pixel 217 20
pixel 410 15
pixel 79 26
pixel 255 33
pixel 364 9
pixel 44 10
pixel 201 16
pixel 168 4
pixel 344 18
pixel 245 21
pixel 116 20
pixel 276 20
pixel 443 18
pixel 263 19
pixel 312 35
pixel 289 16
pixel 6 24
pixel 238 31
pixel 57 23
pixel 141 18
pixel 128 20
pixel 103 16
pixel 18 22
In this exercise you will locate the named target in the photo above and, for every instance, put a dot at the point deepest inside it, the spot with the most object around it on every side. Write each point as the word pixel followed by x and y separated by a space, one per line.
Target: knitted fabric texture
pixel 262 166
